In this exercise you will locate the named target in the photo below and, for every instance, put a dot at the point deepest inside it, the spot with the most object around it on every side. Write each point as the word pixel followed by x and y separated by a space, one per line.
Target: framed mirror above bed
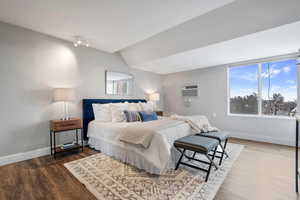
pixel 118 83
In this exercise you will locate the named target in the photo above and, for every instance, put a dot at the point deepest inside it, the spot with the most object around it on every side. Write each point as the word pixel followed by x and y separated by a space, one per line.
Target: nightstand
pixel 59 126
pixel 159 112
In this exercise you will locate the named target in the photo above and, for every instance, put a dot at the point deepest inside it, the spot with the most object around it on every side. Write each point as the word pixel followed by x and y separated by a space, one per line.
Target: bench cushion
pixel 219 135
pixel 196 143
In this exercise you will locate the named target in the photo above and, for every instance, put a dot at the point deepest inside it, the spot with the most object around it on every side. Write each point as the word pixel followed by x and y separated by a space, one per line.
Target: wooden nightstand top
pixel 63 125
pixel 159 112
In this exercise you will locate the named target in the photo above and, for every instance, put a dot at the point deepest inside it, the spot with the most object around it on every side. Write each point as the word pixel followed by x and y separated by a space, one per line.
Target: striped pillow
pixel 132 116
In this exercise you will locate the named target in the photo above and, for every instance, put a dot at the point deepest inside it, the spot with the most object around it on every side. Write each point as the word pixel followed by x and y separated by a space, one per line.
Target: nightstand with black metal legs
pixel 59 126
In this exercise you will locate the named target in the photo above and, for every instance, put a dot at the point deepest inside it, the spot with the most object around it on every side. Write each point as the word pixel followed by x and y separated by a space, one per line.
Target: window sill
pixel 261 116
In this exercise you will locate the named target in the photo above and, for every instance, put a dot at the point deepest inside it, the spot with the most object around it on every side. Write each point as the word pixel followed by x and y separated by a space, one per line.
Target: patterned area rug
pixel 111 179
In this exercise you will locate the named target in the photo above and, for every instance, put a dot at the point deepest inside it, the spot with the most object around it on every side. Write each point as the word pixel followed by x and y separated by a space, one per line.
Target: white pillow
pixel 117 112
pixel 134 107
pixel 147 106
pixel 102 112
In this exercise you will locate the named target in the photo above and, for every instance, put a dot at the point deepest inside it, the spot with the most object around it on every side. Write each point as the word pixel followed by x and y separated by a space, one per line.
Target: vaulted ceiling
pixel 166 36
pixel 272 42
pixel 110 25
pixel 232 33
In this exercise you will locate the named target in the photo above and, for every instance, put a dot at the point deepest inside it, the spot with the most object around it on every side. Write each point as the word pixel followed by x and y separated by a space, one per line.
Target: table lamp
pixel 154 97
pixel 64 95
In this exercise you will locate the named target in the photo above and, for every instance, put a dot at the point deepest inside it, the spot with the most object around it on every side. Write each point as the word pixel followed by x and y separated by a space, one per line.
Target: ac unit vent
pixel 191 87
pixel 190 91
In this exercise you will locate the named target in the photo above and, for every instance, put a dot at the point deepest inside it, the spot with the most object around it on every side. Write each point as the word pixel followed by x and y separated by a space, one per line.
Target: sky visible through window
pixel 243 80
pixel 283 79
pixel 278 91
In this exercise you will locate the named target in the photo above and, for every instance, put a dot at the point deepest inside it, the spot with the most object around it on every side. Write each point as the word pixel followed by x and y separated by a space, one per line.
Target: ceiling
pixel 167 36
pixel 110 25
pixel 277 41
pixel 235 32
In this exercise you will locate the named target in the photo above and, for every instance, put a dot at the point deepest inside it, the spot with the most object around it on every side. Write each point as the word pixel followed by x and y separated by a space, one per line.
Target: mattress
pixel 160 156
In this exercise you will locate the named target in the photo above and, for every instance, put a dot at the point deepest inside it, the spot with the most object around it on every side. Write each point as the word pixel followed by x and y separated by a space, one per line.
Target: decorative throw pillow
pixel 117 112
pixel 147 106
pixel 102 112
pixel 148 116
pixel 132 116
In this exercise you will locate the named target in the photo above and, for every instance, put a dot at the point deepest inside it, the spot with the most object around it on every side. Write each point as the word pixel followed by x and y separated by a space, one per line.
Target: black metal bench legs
pixel 179 161
pixel 221 136
pixel 222 153
pixel 210 163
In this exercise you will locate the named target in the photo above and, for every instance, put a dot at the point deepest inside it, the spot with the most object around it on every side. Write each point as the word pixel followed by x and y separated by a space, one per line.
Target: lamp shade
pixel 63 94
pixel 154 97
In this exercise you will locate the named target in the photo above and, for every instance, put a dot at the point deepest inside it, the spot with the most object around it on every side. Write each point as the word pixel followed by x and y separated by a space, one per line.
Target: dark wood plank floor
pixel 42 178
pixel 262 172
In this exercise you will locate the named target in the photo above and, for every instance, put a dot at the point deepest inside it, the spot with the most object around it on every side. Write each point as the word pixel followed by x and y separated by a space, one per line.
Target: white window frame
pixel 259 88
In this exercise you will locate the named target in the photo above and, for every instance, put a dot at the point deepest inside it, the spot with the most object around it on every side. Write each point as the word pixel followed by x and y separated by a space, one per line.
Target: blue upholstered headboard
pixel 87 109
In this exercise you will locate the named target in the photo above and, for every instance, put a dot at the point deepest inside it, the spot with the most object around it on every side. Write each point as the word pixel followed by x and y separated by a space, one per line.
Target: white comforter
pixel 155 159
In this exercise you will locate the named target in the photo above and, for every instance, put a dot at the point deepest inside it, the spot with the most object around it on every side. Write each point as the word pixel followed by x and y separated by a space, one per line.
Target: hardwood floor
pixel 262 172
pixel 42 178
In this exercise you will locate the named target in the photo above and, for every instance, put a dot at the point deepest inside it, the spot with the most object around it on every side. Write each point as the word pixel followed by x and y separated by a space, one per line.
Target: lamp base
pixel 68 118
pixel 66 112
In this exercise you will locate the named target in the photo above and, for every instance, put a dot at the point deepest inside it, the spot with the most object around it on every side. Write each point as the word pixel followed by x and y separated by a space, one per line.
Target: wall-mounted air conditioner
pixel 190 91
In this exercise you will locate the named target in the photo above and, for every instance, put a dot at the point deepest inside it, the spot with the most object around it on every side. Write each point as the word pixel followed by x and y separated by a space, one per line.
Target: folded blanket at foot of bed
pixel 144 132
pixel 198 123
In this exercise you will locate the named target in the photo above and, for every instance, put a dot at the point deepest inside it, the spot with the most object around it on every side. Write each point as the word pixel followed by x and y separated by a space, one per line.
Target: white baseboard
pixel 24 156
pixel 27 155
pixel 261 138
pixel 46 151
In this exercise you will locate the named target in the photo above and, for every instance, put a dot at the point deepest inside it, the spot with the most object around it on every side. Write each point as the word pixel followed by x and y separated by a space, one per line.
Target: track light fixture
pixel 80 41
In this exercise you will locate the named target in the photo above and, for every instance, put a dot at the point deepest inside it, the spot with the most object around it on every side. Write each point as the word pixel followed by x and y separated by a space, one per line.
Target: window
pixel 264 89
pixel 243 89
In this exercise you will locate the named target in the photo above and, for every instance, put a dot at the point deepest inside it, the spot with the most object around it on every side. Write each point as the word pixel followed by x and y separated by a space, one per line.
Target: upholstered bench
pixel 202 145
pixel 221 136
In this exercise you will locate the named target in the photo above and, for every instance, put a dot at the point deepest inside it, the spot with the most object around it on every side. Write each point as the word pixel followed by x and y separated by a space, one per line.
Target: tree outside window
pixel 264 89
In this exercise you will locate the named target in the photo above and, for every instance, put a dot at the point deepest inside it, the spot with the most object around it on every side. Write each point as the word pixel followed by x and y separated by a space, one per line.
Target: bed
pixel 104 136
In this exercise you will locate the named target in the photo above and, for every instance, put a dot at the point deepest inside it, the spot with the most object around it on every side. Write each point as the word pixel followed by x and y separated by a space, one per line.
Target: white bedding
pixel 160 155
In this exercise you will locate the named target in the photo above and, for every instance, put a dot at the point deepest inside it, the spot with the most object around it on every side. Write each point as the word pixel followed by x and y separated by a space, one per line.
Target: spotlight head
pixel 80 41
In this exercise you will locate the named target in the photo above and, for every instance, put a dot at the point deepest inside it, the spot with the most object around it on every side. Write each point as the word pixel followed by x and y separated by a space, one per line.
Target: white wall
pixel 31 64
pixel 213 99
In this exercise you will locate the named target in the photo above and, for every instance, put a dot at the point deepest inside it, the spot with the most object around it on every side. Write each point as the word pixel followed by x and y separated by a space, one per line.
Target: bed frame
pixel 88 114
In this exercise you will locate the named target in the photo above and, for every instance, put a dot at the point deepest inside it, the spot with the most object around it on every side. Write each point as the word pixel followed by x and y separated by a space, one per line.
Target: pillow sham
pixel 134 107
pixel 132 116
pixel 117 112
pixel 148 116
pixel 102 112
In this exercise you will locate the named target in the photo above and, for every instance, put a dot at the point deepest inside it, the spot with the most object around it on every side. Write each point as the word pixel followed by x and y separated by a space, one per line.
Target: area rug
pixel 110 179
